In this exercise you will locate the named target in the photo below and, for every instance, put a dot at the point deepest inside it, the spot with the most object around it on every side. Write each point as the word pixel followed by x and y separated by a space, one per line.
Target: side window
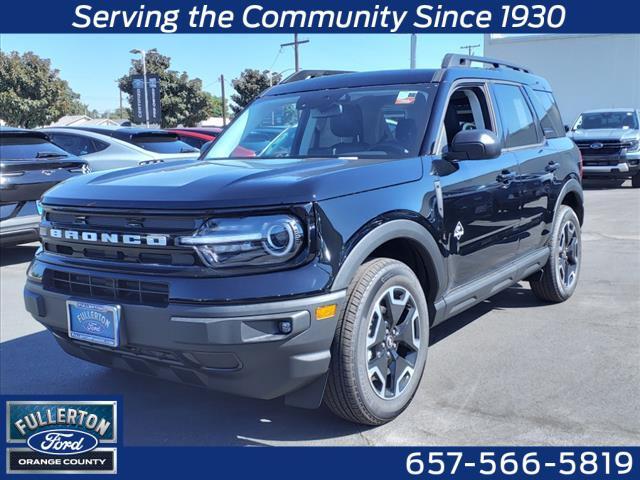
pixel 98 145
pixel 77 144
pixel 517 120
pixel 467 110
pixel 548 113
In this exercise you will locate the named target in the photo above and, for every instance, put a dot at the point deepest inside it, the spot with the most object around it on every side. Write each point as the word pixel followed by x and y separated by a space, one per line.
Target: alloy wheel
pixel 393 342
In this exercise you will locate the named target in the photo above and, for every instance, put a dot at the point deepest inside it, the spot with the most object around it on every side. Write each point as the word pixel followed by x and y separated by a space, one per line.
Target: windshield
pixel 163 144
pixel 365 122
pixel 617 120
pixel 24 147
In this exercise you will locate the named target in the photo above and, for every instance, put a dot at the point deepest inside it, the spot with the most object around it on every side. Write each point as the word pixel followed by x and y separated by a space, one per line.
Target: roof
pixel 21 131
pixel 607 110
pixel 454 67
pixel 357 79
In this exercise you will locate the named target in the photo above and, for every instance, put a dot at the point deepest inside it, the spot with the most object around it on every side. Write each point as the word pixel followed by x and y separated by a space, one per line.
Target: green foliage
pixel 249 85
pixel 31 92
pixel 182 100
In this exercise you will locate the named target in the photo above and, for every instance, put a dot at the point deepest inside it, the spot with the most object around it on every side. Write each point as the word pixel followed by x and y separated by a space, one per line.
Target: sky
pixel 91 63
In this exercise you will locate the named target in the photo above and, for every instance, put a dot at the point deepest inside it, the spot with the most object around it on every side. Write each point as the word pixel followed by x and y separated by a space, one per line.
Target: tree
pixel 182 100
pixel 32 93
pixel 216 103
pixel 249 85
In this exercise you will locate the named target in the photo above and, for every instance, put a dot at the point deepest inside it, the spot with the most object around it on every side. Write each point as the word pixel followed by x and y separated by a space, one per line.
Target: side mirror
pixel 566 129
pixel 474 145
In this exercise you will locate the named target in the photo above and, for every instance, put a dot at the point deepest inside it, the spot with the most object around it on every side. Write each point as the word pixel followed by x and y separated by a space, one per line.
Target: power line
pixel 470 48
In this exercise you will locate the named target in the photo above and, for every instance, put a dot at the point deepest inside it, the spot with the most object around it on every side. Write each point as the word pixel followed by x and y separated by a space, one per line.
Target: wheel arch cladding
pixel 403 240
pixel 572 196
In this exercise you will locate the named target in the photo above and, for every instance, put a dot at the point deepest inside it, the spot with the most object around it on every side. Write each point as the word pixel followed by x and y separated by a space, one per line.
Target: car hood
pixel 605 134
pixel 233 183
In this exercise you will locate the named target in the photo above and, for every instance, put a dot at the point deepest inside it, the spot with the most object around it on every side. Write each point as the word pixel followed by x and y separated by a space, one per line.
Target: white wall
pixel 585 71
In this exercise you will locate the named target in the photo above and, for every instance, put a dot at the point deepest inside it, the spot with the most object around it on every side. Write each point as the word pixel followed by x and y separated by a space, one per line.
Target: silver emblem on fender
pixel 459 231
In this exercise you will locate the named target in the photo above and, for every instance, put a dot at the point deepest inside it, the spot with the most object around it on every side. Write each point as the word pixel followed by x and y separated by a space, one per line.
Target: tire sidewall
pixel 392 275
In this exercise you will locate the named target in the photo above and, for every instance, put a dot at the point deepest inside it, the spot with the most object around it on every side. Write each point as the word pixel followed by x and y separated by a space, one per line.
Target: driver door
pixel 481 214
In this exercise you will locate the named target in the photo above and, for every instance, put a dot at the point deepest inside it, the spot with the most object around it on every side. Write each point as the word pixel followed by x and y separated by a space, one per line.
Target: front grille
pixel 107 288
pixel 609 147
pixel 122 223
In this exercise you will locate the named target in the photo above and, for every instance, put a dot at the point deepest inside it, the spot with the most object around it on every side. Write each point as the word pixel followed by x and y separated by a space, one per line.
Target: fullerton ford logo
pixel 62 442
pixel 61 436
pixel 105 237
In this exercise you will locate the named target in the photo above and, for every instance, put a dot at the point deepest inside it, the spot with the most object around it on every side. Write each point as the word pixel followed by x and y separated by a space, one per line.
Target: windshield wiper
pixel 189 150
pixel 50 155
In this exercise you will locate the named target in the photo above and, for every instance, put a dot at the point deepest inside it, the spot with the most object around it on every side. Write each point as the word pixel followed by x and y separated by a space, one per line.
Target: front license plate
pixel 94 322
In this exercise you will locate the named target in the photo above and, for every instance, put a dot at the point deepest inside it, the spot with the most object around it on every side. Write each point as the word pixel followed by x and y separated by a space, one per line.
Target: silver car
pixel 106 148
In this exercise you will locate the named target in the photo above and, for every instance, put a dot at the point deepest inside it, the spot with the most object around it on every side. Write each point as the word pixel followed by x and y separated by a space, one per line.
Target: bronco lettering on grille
pixel 105 237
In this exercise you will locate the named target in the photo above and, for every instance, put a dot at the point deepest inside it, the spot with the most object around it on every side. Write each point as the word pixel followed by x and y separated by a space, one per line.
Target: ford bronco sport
pixel 314 268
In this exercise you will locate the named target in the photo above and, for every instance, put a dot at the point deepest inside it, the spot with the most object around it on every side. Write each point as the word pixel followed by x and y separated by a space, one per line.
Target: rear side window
pixel 548 113
pixel 24 147
pixel 77 144
pixel 518 124
pixel 193 141
pixel 162 144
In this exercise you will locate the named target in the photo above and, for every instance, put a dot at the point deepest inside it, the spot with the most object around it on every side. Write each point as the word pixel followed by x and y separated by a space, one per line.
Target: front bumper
pixel 608 167
pixel 232 348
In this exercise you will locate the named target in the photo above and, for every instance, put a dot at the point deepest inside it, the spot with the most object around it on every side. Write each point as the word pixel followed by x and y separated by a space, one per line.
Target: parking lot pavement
pixel 510 371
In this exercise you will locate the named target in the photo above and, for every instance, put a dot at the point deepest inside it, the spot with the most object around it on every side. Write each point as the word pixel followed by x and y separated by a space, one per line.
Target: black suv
pixel 315 267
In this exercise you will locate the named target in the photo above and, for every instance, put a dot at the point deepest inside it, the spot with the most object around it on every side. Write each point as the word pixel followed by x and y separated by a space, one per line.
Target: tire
pixel 560 275
pixel 356 389
pixel 635 181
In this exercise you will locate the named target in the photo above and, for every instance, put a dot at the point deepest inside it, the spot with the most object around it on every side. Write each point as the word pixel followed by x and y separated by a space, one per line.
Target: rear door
pixel 537 158
pixel 479 199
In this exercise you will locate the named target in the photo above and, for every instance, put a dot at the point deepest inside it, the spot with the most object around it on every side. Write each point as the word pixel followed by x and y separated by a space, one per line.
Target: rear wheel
pixel 559 277
pixel 380 346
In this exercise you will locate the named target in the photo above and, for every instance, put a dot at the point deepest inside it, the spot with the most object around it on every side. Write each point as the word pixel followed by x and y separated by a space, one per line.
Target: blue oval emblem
pixel 62 442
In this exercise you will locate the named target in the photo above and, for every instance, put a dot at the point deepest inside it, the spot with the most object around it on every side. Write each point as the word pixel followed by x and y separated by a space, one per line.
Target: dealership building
pixel 585 71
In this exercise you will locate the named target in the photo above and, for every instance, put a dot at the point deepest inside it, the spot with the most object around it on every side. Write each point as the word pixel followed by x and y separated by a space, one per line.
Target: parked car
pixel 29 165
pixel 315 268
pixel 106 148
pixel 196 136
pixel 609 140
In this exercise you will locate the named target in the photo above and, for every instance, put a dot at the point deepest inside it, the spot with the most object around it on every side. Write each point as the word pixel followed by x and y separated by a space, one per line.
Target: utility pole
pixel 412 60
pixel 295 44
pixel 224 102
pixel 470 48
pixel 120 111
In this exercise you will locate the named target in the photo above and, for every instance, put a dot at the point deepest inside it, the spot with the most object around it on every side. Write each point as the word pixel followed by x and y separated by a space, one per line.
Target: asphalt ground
pixel 512 370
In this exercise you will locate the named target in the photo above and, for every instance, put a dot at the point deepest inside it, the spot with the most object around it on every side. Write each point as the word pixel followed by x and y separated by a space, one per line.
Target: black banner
pixel 139 106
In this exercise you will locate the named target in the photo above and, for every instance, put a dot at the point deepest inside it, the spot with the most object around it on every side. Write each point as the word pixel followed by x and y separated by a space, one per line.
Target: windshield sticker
pixel 406 97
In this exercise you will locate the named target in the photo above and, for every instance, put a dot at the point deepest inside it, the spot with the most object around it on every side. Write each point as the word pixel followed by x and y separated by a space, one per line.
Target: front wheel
pixel 380 346
pixel 560 275
pixel 635 181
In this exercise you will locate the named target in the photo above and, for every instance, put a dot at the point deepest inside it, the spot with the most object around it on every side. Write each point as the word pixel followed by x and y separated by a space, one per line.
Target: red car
pixel 196 136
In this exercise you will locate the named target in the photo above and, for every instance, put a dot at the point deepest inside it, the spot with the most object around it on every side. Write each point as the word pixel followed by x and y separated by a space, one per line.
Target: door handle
pixel 552 167
pixel 506 176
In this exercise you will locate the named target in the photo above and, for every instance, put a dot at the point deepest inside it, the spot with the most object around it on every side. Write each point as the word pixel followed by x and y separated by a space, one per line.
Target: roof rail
pixel 456 60
pixel 307 74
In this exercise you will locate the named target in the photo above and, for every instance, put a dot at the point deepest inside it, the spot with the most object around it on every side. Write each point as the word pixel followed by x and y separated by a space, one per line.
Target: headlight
pixel 249 241
pixel 634 146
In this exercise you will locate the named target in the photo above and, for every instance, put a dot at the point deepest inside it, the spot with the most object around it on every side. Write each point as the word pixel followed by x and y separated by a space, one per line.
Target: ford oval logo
pixel 596 146
pixel 62 442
